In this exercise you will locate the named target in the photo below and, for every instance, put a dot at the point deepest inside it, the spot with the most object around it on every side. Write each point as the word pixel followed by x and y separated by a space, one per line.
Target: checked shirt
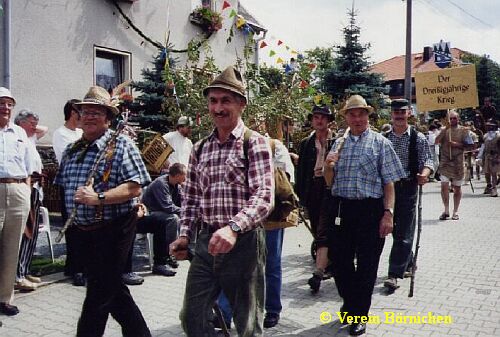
pixel 365 165
pixel 221 186
pixel 127 166
pixel 401 145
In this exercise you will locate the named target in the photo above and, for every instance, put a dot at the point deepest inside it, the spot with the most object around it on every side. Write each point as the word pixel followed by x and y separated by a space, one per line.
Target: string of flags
pixel 279 51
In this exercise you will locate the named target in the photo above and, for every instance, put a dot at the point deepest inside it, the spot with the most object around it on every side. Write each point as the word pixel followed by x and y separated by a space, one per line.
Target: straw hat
pixel 230 79
pixel 356 102
pixel 4 92
pixel 101 97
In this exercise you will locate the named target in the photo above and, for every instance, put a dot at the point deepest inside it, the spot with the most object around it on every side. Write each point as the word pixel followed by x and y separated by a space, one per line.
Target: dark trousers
pixel 404 228
pixel 315 198
pixel 357 237
pixel 164 228
pixel 74 245
pixel 28 245
pixel 106 250
pixel 239 273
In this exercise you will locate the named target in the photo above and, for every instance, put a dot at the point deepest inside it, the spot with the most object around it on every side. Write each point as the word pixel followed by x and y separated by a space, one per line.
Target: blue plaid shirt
pixel 127 166
pixel 401 145
pixel 365 165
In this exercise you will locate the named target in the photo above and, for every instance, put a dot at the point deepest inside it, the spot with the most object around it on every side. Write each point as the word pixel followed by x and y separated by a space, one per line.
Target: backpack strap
pixel 413 154
pixel 246 142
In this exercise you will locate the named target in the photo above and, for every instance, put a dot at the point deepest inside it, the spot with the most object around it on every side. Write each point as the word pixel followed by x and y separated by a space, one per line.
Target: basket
pixel 155 153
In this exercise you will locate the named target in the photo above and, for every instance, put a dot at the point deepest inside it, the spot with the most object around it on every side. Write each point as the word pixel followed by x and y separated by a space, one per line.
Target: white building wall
pixel 53 45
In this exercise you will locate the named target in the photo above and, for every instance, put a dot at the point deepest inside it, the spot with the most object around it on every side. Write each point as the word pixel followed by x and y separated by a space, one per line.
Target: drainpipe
pixel 7 43
pixel 257 42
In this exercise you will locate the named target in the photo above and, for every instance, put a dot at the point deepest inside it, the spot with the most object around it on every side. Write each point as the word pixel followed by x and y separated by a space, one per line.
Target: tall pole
pixel 408 53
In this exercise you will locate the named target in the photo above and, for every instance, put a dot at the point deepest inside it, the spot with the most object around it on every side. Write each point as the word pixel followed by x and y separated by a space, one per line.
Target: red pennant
pixel 311 66
pixel 303 84
pixel 226 5
pixel 280 42
pixel 263 44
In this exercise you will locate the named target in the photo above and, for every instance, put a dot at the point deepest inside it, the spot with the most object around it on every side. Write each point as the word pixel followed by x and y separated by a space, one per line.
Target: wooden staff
pixel 417 245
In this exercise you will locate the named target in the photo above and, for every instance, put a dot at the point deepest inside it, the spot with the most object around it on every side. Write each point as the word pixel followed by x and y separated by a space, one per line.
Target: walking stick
pixel 417 246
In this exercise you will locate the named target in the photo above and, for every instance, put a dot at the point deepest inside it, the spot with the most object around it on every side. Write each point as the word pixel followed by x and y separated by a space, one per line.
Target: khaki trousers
pixel 14 210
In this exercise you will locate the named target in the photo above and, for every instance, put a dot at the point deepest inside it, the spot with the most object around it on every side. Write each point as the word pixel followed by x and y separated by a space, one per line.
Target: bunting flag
pixel 232 14
pixel 287 48
pixel 279 60
pixel 226 5
pixel 288 69
pixel 303 84
pixel 311 66
pixel 263 44
pixel 293 52
pixel 272 53
pixel 280 42
pixel 240 22
pixel 317 99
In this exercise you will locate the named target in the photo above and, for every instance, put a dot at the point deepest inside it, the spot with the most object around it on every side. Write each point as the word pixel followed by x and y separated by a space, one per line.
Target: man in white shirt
pixel 180 142
pixel 69 132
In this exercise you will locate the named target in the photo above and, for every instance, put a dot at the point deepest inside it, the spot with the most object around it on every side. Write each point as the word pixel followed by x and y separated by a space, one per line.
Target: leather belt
pixel 12 180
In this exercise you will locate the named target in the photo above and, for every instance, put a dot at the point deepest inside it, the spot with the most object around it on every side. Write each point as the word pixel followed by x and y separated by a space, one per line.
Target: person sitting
pixel 162 199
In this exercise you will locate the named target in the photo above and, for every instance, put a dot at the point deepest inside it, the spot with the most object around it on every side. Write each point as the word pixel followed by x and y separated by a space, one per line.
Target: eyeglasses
pixel 7 104
pixel 92 114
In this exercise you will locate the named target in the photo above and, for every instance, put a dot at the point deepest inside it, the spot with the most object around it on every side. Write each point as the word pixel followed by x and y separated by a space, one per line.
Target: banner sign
pixel 451 88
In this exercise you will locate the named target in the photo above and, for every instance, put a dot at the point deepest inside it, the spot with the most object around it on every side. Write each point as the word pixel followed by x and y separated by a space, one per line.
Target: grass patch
pixel 43 266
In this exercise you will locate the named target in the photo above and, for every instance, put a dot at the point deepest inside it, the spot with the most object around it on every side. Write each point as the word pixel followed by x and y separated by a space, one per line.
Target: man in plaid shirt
pixel 414 153
pixel 105 215
pixel 365 170
pixel 228 194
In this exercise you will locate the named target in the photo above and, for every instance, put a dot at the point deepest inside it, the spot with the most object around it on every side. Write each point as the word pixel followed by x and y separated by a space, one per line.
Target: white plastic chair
pixel 44 227
pixel 148 239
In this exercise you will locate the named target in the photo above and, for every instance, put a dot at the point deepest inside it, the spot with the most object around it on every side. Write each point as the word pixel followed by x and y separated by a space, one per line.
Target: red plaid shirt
pixel 216 188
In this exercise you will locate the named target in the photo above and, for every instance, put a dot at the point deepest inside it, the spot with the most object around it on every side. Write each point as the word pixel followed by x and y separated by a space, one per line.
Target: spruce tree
pixel 149 108
pixel 349 73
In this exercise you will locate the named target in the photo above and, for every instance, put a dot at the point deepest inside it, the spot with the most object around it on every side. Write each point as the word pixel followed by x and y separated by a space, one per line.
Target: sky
pixel 470 25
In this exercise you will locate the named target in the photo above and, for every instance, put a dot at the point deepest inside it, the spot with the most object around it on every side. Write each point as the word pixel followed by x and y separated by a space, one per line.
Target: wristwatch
pixel 235 227
pixel 101 197
pixel 390 210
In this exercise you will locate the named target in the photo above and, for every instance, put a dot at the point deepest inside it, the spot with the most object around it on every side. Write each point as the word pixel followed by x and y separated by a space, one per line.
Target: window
pixel 201 3
pixel 111 67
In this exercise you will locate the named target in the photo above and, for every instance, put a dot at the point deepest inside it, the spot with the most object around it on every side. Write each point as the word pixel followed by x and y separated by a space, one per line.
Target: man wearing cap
pixel 414 153
pixel 311 186
pixel 228 194
pixel 490 156
pixel 16 166
pixel 365 170
pixel 105 213
pixel 180 142
pixel 454 141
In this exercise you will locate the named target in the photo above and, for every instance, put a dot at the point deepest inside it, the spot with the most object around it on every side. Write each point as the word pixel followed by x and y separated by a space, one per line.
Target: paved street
pixel 458 275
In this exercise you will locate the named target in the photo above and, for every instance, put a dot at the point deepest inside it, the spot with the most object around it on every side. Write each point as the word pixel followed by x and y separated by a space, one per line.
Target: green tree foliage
pixel 349 71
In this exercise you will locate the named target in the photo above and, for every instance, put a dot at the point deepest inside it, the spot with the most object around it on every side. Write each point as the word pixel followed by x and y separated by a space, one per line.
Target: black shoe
pixel 160 269
pixel 172 261
pixel 357 329
pixel 271 320
pixel 314 282
pixel 132 279
pixel 78 280
pixel 8 309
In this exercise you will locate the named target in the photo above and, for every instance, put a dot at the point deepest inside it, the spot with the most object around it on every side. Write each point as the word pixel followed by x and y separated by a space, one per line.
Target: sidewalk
pixel 458 275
